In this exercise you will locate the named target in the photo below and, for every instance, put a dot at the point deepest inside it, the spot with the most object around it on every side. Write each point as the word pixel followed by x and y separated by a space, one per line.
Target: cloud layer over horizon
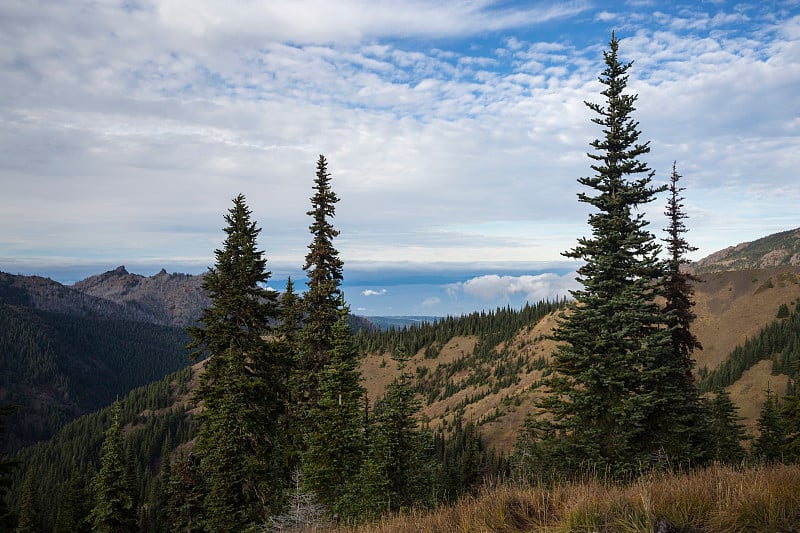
pixel 455 131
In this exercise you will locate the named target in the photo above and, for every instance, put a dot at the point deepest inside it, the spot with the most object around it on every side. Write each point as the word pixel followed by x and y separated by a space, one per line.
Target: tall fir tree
pixel 324 270
pixel 74 505
pixel 727 431
pixel 29 509
pixel 7 467
pixel 240 440
pixel 320 303
pixel 334 451
pixel 687 440
pixel 770 443
pixel 113 510
pixel 289 330
pixel 604 399
pixel 398 470
pixel 790 413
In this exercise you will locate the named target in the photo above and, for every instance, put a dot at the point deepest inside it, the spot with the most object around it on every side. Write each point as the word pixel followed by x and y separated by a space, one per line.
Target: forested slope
pixel 56 367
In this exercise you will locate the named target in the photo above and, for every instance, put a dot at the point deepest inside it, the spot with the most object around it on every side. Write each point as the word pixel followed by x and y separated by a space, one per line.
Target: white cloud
pixel 371 292
pixel 125 131
pixel 535 288
pixel 432 301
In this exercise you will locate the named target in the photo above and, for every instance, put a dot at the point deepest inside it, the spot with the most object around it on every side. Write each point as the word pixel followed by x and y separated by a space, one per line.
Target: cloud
pixel 432 301
pixel 371 292
pixel 455 131
pixel 535 288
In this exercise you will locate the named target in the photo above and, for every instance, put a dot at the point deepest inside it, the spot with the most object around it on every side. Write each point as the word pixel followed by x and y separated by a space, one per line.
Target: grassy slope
pixel 731 306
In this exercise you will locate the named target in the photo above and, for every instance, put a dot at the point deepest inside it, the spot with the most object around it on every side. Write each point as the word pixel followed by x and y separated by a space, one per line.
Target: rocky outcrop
pixel 170 299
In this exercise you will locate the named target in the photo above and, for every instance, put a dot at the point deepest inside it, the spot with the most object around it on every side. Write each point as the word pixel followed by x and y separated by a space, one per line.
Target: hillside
pixel 44 294
pixel 57 366
pixel 480 368
pixel 779 249
pixel 492 386
pixel 167 299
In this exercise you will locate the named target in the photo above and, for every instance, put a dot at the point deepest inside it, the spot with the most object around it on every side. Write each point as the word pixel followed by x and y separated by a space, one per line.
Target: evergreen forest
pixel 272 429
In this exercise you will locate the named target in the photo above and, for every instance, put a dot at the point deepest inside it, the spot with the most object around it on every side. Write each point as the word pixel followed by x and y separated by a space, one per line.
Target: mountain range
pixel 97 339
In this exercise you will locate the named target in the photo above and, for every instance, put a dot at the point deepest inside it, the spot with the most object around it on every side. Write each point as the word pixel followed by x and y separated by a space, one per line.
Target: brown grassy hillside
pixel 731 306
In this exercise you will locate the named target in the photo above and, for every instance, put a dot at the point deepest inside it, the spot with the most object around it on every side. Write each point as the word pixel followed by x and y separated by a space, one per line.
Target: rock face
pixel 168 299
pixel 774 250
pixel 45 294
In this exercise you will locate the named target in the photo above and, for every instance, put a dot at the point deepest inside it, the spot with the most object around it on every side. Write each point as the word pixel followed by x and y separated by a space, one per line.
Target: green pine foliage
pixel 324 270
pixel 185 490
pixel 72 456
pixel 687 439
pixel 81 363
pixel 334 451
pixel 74 504
pixel 7 467
pixel 114 508
pixel 493 327
pixel 790 414
pixel 770 442
pixel 727 432
pixel 399 467
pixel 606 405
pixel 241 440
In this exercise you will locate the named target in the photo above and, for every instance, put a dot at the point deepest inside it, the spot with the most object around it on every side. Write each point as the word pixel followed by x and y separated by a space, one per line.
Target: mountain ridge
pixel 777 249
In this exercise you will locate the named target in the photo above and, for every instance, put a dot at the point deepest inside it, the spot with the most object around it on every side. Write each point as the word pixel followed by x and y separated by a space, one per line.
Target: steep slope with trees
pixel 56 367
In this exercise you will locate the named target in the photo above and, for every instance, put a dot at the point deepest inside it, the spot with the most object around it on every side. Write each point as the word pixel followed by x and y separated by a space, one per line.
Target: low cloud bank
pixel 539 287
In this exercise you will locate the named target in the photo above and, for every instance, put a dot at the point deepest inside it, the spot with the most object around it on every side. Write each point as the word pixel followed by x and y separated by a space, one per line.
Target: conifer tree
pixel 289 329
pixel 399 466
pixel 320 305
pixel 7 467
pixel 727 432
pixel 185 492
pixel 771 440
pixel 113 510
pixel 324 270
pixel 240 439
pixel 334 451
pixel 790 413
pixel 687 439
pixel 604 402
pixel 74 505
pixel 28 512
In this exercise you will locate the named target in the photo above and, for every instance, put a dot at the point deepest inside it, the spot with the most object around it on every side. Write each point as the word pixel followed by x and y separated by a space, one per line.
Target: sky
pixel 455 133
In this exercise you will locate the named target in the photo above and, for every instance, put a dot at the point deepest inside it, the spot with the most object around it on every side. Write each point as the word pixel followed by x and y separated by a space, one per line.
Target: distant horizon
pixel 451 290
pixel 455 133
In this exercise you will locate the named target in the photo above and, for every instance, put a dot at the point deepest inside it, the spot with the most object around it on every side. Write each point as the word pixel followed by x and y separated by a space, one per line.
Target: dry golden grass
pixel 731 306
pixel 716 499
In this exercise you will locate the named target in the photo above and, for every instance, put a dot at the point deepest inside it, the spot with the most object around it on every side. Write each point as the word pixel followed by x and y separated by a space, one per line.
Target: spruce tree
pixel 7 467
pixel 398 469
pixel 334 451
pixel 240 440
pixel 320 304
pixel 74 505
pixel 28 511
pixel 770 443
pixel 604 403
pixel 324 270
pixel 113 510
pixel 790 413
pixel 727 432
pixel 687 439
